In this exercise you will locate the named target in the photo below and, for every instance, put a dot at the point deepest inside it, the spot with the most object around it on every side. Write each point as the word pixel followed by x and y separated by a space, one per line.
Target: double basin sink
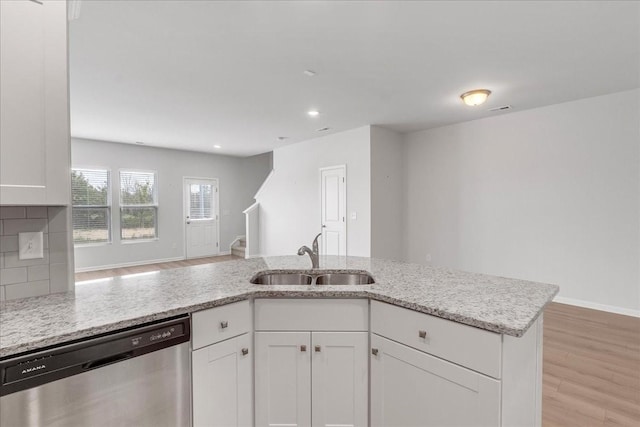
pixel 312 277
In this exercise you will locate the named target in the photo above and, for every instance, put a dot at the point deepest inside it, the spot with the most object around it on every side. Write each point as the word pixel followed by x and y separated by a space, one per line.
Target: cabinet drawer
pixel 465 345
pixel 290 314
pixel 219 323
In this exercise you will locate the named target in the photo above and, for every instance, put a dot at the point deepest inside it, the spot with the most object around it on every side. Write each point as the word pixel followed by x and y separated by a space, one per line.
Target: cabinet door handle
pixel 422 334
pixel 303 348
pixel 374 351
pixel 245 351
pixel 224 324
pixel 317 349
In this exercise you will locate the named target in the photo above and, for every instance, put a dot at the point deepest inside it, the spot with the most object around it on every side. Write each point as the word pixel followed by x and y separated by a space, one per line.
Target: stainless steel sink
pixel 267 278
pixel 312 277
pixel 344 279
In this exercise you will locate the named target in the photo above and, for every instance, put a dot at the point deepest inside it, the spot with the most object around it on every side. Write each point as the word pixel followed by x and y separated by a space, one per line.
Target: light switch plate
pixel 30 245
pixel 354 215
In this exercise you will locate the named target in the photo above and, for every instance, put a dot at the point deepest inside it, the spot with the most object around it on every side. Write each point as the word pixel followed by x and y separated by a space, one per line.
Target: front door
pixel 333 213
pixel 201 217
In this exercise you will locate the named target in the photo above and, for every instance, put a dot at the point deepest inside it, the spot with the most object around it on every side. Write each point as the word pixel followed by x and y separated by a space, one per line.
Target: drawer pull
pixel 374 351
pixel 422 334
pixel 224 324
pixel 317 349
pixel 245 351
pixel 303 348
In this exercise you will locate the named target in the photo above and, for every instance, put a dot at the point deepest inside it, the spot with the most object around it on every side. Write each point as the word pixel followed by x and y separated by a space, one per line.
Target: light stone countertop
pixel 497 304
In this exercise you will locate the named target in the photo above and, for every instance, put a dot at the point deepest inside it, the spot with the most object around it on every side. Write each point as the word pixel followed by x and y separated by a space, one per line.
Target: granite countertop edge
pixel 19 342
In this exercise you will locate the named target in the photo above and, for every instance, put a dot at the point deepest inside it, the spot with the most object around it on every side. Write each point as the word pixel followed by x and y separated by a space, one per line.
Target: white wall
pixel 550 194
pixel 290 202
pixel 387 194
pixel 239 178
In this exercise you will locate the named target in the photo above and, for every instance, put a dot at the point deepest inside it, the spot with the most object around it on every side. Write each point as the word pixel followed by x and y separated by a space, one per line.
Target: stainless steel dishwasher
pixel 135 377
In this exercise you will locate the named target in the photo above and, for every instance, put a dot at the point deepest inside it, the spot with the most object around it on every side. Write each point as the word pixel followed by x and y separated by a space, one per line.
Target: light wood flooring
pixel 123 271
pixel 591 368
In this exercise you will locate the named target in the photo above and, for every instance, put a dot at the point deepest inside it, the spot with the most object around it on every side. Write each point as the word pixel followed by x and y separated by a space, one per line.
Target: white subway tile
pixel 11 260
pixel 15 226
pixel 57 219
pixel 9 276
pixel 37 272
pixel 58 248
pixel 37 212
pixel 26 290
pixel 59 278
pixel 12 212
pixel 9 244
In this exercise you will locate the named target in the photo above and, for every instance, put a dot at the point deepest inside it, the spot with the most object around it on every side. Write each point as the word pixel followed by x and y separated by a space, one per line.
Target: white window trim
pixel 109 205
pixel 156 196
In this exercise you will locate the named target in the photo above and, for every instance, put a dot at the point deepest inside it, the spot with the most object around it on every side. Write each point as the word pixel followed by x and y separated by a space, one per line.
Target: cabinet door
pixel 222 384
pixel 339 378
pixel 412 388
pixel 283 378
pixel 34 117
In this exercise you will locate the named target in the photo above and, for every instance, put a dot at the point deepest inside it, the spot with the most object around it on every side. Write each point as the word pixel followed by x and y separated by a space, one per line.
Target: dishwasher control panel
pixel 62 361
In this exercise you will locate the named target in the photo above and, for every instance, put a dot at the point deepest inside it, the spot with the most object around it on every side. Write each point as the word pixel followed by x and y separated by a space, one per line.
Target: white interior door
pixel 333 205
pixel 201 217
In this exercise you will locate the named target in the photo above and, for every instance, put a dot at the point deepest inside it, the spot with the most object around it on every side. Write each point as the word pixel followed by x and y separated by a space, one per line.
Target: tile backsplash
pixel 33 277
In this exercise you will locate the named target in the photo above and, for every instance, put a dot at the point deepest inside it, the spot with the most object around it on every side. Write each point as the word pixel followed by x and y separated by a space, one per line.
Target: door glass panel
pixel 201 201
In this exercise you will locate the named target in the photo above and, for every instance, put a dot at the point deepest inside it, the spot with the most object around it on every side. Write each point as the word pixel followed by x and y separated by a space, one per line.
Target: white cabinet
pixel 222 383
pixel 34 103
pixel 412 388
pixel 303 373
pixel 222 366
pixel 429 371
pixel 283 378
pixel 339 378
pixel 312 366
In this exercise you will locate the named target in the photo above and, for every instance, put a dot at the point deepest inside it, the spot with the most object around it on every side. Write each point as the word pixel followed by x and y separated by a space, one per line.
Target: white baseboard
pixel 134 263
pixel 127 264
pixel 596 306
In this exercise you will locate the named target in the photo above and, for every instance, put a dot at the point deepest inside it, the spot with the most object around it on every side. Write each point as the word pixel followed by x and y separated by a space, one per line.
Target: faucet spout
pixel 313 253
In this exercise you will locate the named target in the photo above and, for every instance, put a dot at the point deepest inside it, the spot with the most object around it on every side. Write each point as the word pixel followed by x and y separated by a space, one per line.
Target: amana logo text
pixel 35 368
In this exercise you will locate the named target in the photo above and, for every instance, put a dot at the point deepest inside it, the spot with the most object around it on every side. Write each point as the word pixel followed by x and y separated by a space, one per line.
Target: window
pixel 138 205
pixel 91 208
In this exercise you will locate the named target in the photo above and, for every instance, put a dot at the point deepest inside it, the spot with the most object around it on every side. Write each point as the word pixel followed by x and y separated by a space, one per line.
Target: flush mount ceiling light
pixel 217 146
pixel 313 113
pixel 475 97
pixel 309 73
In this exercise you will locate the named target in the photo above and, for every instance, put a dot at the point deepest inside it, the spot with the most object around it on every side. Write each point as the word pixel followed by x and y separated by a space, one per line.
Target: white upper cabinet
pixel 34 103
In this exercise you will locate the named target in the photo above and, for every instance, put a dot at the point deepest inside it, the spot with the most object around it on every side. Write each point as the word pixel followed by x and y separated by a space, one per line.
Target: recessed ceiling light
pixel 139 142
pixel 309 73
pixel 475 97
pixel 217 146
pixel 313 113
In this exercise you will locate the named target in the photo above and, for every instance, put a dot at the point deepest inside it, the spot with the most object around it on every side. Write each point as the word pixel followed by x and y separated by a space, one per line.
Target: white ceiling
pixel 191 74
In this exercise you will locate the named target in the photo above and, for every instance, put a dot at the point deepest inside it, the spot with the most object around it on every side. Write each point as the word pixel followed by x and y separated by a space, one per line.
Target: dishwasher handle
pixel 107 360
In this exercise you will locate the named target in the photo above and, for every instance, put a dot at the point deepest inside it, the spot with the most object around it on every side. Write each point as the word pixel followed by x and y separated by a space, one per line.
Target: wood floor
pixel 123 271
pixel 591 368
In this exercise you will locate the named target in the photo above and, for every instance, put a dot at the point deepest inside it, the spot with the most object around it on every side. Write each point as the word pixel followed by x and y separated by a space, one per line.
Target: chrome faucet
pixel 313 253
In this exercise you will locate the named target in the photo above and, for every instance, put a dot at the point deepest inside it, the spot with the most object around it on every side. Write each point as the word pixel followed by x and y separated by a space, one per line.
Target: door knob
pixel 245 351
pixel 303 348
pixel 374 351
pixel 317 349
pixel 422 334
pixel 224 324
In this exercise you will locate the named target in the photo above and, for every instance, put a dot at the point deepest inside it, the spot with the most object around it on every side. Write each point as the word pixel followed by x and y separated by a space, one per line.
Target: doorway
pixel 202 226
pixel 333 210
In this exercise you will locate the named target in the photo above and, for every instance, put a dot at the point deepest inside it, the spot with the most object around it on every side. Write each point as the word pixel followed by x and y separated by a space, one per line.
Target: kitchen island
pixel 420 346
pixel 496 304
